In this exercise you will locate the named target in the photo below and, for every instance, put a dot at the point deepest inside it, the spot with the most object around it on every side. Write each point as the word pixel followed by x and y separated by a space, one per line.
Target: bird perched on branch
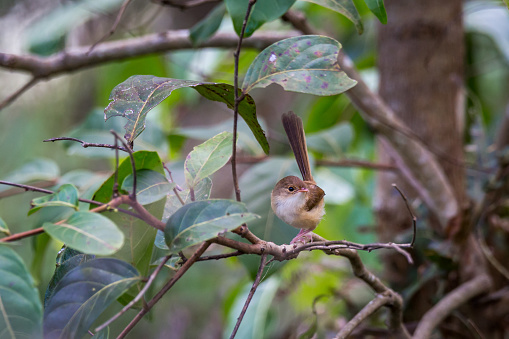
pixel 298 202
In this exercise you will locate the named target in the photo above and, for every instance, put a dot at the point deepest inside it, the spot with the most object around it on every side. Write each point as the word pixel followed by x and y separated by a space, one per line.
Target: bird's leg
pixel 303 236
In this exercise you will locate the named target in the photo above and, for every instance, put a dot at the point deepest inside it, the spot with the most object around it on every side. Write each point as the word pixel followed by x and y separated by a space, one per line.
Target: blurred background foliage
pixel 207 300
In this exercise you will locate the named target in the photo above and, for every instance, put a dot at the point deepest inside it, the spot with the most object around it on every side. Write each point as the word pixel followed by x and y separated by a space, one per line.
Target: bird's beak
pixel 303 190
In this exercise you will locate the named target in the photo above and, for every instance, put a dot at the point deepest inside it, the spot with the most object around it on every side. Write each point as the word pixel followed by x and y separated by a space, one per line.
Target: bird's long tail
pixel 295 132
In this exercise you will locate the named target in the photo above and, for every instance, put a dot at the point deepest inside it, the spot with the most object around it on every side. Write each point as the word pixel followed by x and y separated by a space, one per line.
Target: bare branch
pixel 165 288
pixel 220 256
pixel 129 149
pixel 449 303
pixel 78 58
pixel 85 144
pixel 414 218
pixel 174 188
pixel 250 295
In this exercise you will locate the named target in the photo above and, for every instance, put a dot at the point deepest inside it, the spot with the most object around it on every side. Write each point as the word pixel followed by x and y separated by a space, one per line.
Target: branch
pixel 165 288
pixel 263 262
pixel 78 58
pixel 7 101
pixel 85 144
pixel 373 306
pixel 449 303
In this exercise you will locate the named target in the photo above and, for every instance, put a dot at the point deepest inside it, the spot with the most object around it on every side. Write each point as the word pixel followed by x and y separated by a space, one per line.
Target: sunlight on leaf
pixel 151 186
pixel 66 196
pixel 205 159
pixel 88 232
pixel 83 294
pixel 203 220
pixel 306 64
pixel 345 7
pixel 20 308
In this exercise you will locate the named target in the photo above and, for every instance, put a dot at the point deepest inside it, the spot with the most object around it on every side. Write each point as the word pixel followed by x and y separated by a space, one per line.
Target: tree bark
pixel 421 55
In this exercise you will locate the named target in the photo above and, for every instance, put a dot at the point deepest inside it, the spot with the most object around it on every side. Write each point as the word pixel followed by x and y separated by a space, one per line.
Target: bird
pixel 298 202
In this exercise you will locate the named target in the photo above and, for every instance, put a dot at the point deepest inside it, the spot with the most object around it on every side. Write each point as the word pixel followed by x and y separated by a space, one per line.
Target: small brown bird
pixel 298 202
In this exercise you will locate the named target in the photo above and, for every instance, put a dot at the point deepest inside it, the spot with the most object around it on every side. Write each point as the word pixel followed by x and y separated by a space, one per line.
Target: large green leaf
pixel 345 7
pixel 204 29
pixel 66 196
pixel 136 96
pixel 378 9
pixel 139 236
pixel 88 232
pixel 151 186
pixel 253 325
pixel 263 11
pixel 203 220
pixel 83 294
pixel 306 64
pixel 20 307
pixel 207 158
pixel 38 169
pixel 66 260
pixel 3 227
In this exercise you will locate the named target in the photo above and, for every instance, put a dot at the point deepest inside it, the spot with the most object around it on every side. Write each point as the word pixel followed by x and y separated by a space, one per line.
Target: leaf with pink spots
pixel 306 64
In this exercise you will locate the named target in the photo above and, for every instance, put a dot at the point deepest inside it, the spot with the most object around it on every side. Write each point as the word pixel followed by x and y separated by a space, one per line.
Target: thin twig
pixel 129 148
pixel 113 28
pixel 165 289
pixel 117 164
pixel 250 295
pixel 414 218
pixel 7 101
pixel 175 190
pixel 139 296
pixel 184 5
pixel 238 99
pixel 85 144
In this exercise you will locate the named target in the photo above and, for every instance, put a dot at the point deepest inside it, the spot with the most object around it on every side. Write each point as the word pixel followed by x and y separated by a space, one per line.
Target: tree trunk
pixel 421 54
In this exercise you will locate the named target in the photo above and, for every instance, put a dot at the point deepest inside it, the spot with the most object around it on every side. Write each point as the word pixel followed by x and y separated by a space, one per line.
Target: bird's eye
pixel 291 188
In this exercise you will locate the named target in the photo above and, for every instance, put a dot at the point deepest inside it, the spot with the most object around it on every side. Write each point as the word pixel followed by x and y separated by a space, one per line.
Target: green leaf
pixel 203 220
pixel 66 196
pixel 206 28
pixel 38 169
pixel 306 64
pixel 263 11
pixel 66 260
pixel 136 96
pixel 20 307
pixel 139 236
pixel 207 158
pixel 345 7
pixel 333 141
pixel 151 186
pixel 254 324
pixel 83 294
pixel 3 227
pixel 378 9
pixel 88 232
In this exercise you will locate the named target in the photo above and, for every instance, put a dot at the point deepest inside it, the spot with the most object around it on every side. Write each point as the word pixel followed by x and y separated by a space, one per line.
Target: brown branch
pixel 374 305
pixel 165 289
pixel 220 256
pixel 78 58
pixel 185 4
pixel 85 144
pixel 250 295
pixel 15 191
pixel 449 303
